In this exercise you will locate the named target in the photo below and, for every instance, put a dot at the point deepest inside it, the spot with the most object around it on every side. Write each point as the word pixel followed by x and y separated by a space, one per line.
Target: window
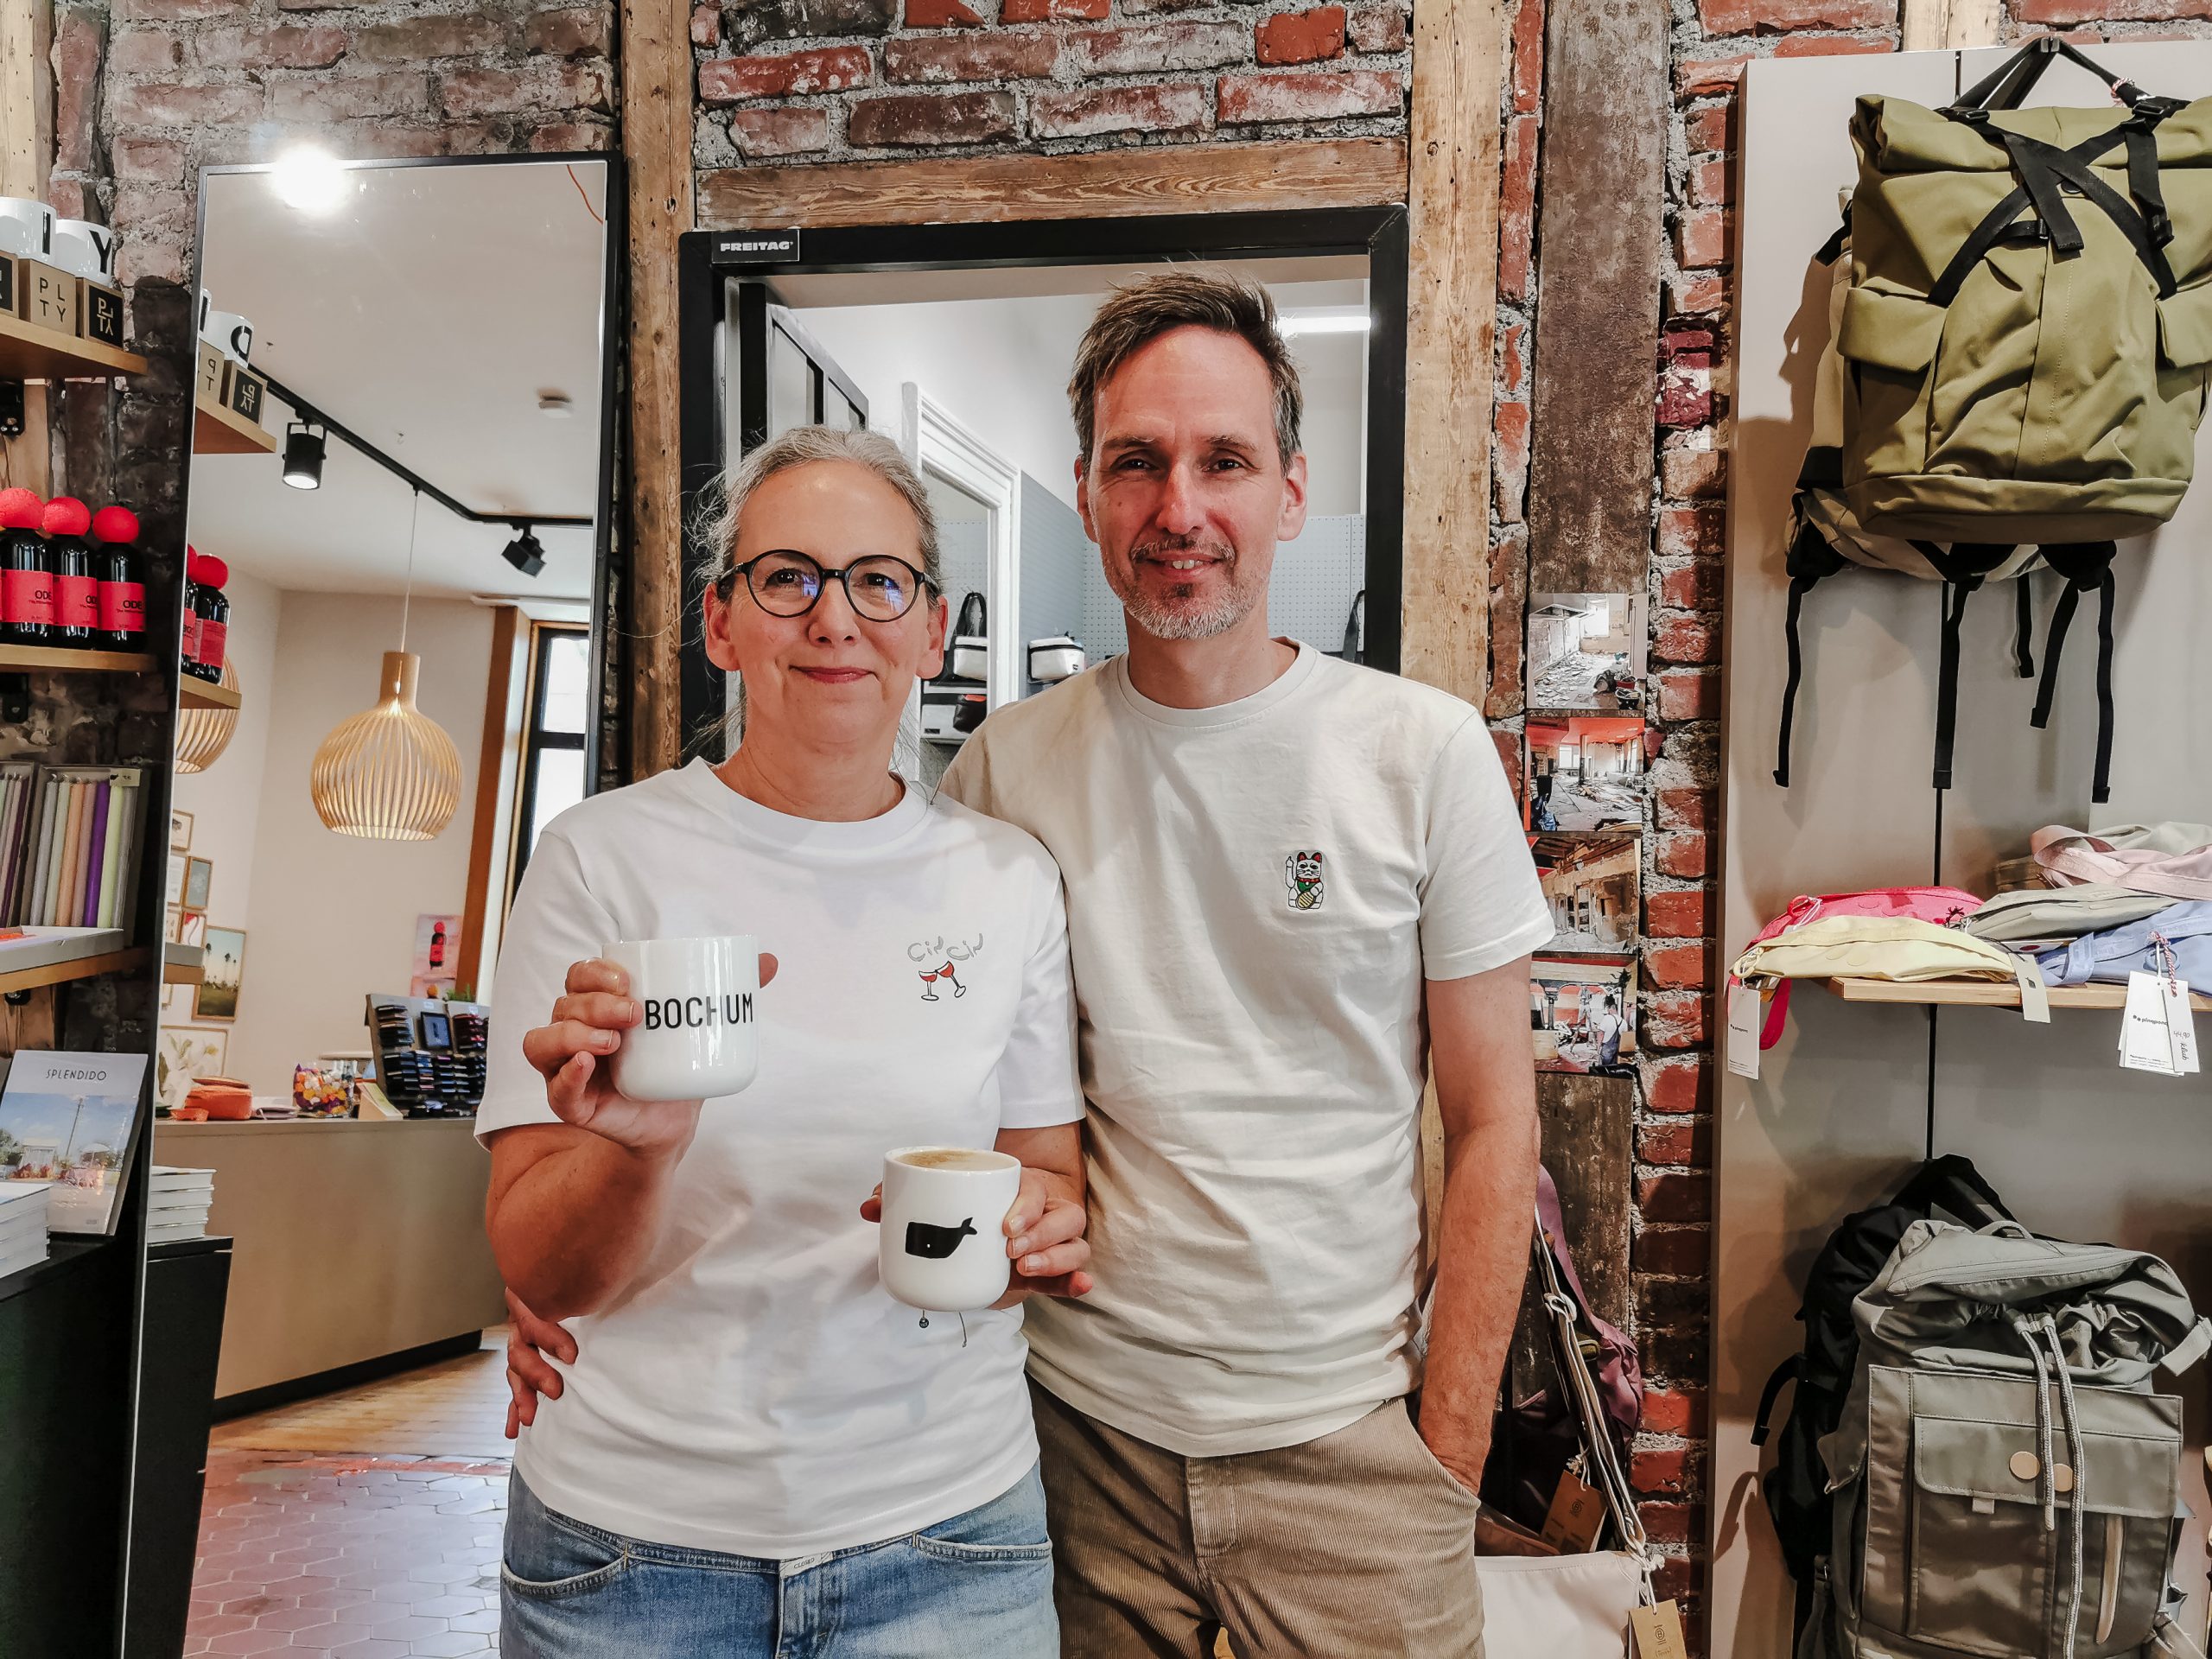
pixel 554 749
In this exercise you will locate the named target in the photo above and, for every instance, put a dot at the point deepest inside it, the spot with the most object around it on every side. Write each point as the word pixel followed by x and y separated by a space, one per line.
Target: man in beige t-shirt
pixel 1295 888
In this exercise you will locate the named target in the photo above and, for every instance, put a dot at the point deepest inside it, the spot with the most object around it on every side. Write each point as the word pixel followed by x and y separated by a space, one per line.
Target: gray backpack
pixel 2006 1484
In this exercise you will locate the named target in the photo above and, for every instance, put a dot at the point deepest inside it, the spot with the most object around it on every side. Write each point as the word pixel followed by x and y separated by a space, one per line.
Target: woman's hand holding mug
pixel 573 1050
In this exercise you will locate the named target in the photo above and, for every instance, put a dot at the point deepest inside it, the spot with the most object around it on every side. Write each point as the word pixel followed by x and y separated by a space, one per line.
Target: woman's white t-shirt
pixel 757 1391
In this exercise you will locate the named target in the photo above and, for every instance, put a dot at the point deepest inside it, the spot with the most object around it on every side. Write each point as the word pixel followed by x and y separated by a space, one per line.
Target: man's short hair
pixel 1141 311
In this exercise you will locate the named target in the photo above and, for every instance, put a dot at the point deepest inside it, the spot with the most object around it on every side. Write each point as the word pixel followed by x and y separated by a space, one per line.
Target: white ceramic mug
pixel 943 1242
pixel 26 227
pixel 699 1038
pixel 84 248
pixel 231 331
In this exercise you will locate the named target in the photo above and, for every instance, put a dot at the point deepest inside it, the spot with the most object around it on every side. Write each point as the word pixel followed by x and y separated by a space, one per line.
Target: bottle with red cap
pixel 189 654
pixel 214 612
pixel 120 573
pixel 26 571
pixel 76 591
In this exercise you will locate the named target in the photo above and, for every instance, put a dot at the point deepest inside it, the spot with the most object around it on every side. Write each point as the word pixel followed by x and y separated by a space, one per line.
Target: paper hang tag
pixel 2146 1040
pixel 1745 1012
pixel 1576 1515
pixel 1658 1632
pixel 2181 1024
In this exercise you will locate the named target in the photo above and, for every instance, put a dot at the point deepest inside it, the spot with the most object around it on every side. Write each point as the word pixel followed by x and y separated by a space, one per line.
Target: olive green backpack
pixel 2025 344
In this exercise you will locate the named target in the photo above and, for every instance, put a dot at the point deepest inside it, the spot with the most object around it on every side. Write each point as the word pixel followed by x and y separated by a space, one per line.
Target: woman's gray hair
pixel 714 523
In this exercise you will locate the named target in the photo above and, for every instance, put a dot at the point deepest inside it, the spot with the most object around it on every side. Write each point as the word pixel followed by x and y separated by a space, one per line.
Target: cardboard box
pixel 103 313
pixel 46 296
pixel 212 379
pixel 246 392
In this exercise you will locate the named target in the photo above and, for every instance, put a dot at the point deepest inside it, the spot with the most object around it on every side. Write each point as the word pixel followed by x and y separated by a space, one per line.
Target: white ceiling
pixel 428 311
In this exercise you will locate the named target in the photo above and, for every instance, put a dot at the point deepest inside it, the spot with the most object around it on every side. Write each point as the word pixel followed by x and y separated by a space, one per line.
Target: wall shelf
pixel 66 658
pixel 57 973
pixel 183 964
pixel 30 352
pixel 198 694
pixel 1983 994
pixel 217 430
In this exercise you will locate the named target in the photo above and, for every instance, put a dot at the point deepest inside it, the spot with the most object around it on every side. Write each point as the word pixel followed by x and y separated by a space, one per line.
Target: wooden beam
pixel 656 146
pixel 1604 187
pixel 1451 310
pixel 1588 1123
pixel 975 189
pixel 1934 25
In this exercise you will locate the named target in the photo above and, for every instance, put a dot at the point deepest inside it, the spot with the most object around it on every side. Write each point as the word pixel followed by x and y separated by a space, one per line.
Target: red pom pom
pixel 116 524
pixel 213 571
pixel 20 509
pixel 66 515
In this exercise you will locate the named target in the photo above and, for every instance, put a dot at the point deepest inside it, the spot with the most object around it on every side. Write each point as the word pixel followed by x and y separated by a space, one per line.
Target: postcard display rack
pixel 1855 1095
pixel 107 1349
pixel 430 1053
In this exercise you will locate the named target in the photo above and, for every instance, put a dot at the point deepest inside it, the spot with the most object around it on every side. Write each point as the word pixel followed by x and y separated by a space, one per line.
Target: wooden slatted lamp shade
pixel 390 773
pixel 202 734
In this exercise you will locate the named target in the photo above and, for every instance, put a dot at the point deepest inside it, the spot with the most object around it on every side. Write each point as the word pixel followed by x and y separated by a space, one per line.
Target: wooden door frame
pixel 1446 178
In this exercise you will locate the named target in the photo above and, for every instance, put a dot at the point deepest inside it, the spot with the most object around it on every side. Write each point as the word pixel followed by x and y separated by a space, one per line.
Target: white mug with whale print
pixel 698 1039
pixel 943 1242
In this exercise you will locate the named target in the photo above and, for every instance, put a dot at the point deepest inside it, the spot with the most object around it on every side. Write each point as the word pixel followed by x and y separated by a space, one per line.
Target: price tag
pixel 1576 1514
pixel 1658 1632
pixel 2181 1024
pixel 2146 1039
pixel 1745 1011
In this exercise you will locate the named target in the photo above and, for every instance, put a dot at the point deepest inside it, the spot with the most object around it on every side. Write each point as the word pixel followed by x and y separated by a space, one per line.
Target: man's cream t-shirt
pixel 1256 893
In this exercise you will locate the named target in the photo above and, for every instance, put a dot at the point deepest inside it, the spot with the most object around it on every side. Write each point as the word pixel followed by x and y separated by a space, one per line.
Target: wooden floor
pixel 456 1409
pixel 363 1525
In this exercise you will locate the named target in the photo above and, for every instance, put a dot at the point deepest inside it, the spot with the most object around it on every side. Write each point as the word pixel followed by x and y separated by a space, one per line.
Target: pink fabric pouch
pixel 1941 906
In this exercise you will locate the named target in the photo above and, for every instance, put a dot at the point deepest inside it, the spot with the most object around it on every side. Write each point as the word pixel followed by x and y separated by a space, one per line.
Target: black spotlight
pixel 302 457
pixel 524 553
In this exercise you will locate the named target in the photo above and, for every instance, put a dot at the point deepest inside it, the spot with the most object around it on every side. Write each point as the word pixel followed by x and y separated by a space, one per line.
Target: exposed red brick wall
pixel 794 81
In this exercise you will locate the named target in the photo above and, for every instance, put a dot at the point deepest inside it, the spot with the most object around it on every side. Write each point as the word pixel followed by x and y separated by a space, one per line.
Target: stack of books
pixel 177 1203
pixel 22 1224
pixel 69 843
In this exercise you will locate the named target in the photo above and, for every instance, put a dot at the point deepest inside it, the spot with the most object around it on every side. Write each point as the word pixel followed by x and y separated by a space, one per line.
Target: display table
pixel 356 1239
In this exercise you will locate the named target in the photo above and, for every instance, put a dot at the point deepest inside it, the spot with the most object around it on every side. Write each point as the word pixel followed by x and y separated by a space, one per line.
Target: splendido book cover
pixel 71 1119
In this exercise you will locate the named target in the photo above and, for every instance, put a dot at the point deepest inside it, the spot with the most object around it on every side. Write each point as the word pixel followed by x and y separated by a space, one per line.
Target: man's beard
pixel 1181 615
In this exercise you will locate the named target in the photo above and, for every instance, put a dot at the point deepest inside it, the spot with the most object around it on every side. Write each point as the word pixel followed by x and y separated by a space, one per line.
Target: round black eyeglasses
pixel 878 585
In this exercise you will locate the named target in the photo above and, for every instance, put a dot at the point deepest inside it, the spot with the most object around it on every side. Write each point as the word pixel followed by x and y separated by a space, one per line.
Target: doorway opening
pixel 957 341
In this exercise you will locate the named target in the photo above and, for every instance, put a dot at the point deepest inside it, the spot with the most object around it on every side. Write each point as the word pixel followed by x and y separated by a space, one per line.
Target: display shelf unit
pixel 1983 994
pixel 62 1254
pixel 66 659
pixel 217 430
pixel 30 352
pixel 59 973
pixel 198 694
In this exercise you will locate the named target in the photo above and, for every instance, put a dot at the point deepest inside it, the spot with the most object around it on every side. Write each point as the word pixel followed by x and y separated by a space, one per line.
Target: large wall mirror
pixel 399 506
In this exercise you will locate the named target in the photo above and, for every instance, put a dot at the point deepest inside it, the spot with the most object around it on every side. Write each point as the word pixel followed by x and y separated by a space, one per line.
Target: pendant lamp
pixel 202 734
pixel 390 773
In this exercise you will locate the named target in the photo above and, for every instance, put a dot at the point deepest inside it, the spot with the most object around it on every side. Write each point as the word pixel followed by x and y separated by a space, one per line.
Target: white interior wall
pixel 1854 1095
pixel 331 917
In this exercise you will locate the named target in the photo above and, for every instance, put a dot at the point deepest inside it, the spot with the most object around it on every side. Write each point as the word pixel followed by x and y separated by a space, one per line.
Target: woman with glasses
pixel 756 1450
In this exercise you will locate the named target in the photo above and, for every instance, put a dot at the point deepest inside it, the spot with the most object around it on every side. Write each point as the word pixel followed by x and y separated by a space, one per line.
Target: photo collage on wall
pixel 1582 804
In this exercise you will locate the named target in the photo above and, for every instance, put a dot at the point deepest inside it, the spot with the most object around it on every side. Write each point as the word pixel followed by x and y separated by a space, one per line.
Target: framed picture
pixel 180 831
pixel 1584 773
pixel 198 876
pixel 218 995
pixel 170 913
pixel 1586 652
pixel 1591 882
pixel 1582 1015
pixel 185 1052
pixel 173 893
pixel 192 927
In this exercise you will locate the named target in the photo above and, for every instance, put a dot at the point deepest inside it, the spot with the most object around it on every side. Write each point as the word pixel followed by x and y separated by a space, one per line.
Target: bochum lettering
pixel 678 1012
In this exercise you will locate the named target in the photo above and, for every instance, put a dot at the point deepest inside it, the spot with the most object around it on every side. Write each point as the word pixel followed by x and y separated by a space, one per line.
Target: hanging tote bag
pixel 1571 1607
pixel 968 654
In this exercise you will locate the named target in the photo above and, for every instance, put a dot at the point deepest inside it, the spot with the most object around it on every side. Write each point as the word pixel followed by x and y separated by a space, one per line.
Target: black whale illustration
pixel 935 1243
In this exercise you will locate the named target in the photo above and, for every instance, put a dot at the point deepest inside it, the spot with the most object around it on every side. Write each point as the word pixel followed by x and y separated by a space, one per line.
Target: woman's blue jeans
pixel 977 1587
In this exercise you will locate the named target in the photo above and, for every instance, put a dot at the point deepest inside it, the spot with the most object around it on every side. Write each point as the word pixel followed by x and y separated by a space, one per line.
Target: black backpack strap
pixel 1810 560
pixel 1784 1374
pixel 2085 565
pixel 1953 1185
pixel 1963 566
pixel 2024 626
pixel 2015 77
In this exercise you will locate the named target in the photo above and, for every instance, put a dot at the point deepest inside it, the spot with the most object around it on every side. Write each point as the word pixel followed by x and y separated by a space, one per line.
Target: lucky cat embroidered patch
pixel 1302 874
